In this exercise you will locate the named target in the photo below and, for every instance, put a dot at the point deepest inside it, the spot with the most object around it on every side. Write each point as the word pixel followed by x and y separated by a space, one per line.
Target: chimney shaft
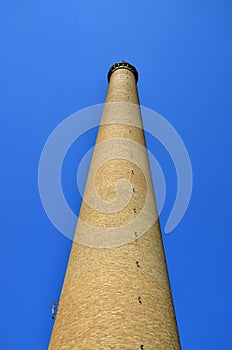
pixel 116 292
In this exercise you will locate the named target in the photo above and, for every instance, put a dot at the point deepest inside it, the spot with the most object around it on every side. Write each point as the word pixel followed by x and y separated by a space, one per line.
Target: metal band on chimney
pixel 123 65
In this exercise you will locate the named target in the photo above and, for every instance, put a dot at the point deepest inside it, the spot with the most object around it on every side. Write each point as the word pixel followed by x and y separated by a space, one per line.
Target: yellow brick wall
pixel 116 292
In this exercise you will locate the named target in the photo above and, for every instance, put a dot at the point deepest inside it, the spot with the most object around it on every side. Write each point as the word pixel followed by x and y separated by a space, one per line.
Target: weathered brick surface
pixel 117 296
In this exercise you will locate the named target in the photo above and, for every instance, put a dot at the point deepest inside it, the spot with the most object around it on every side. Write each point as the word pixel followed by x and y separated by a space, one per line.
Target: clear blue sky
pixel 54 59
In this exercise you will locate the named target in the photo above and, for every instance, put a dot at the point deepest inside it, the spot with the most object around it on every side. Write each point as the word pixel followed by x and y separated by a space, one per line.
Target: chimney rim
pixel 123 65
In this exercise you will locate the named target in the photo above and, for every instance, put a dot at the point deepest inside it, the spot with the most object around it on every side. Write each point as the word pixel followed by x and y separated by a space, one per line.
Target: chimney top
pixel 123 65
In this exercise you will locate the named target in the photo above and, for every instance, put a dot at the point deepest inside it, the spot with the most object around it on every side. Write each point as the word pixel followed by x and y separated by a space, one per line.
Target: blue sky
pixel 54 59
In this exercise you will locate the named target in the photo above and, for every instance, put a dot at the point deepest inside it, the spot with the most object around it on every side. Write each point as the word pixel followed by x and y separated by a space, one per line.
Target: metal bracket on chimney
pixel 54 309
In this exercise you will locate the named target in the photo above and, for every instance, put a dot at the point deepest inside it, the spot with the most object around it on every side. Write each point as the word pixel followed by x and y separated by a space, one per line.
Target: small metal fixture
pixel 54 309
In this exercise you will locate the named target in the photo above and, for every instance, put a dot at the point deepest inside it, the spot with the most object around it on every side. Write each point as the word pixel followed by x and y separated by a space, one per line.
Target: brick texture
pixel 116 292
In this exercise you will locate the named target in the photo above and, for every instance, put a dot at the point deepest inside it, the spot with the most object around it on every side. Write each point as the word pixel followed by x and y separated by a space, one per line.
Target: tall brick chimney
pixel 116 292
